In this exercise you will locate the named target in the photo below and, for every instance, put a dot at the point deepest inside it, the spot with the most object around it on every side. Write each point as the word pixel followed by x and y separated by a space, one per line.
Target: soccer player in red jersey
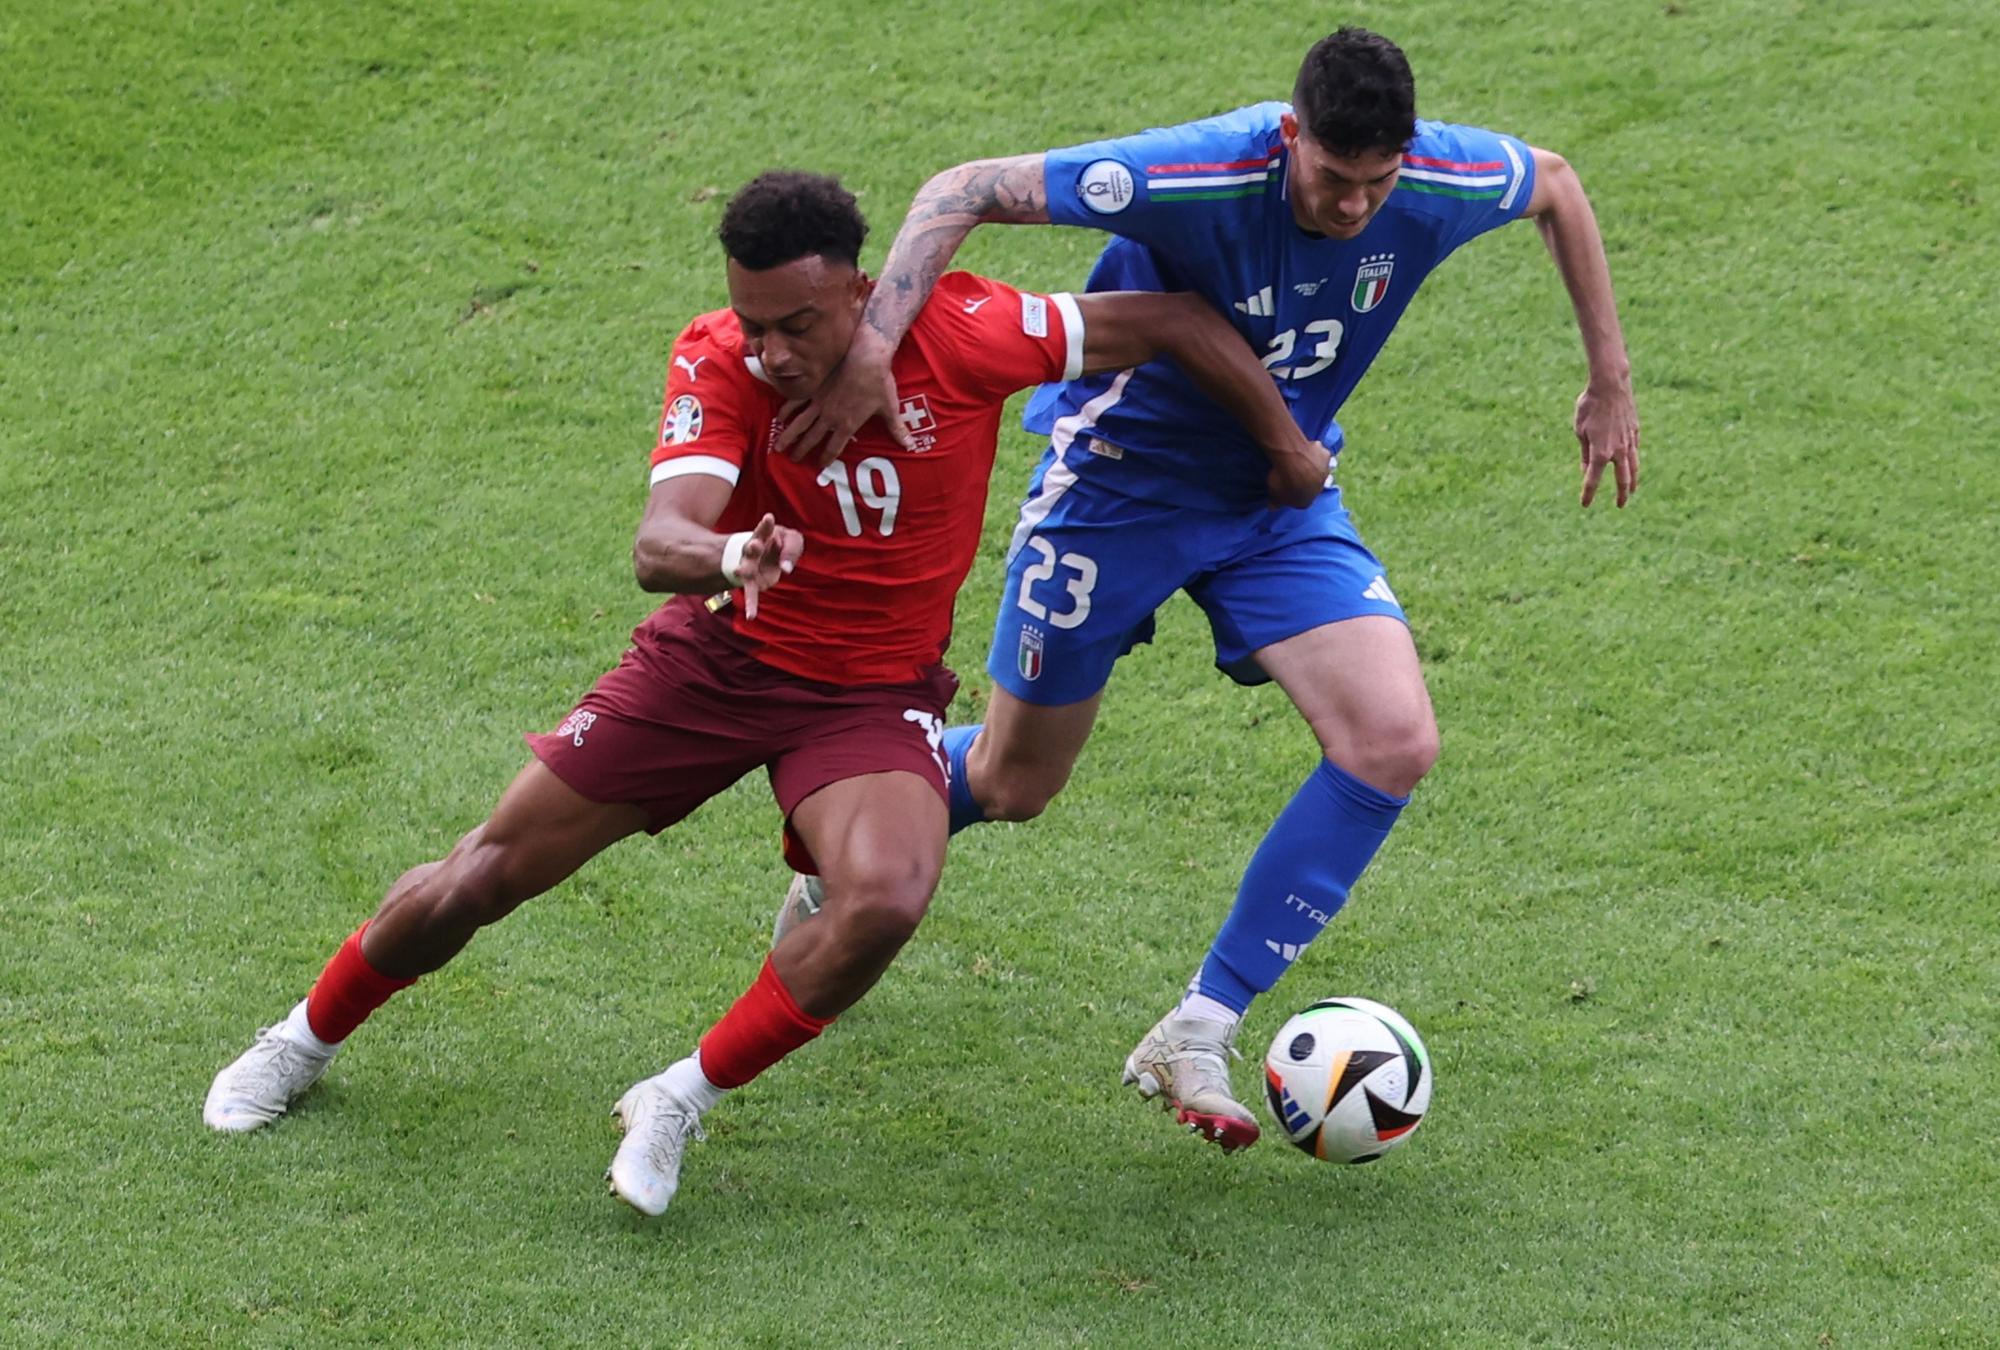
pixel 819 659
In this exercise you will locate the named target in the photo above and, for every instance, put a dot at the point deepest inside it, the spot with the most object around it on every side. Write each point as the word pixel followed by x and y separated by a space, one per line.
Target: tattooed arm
pixel 985 191
pixel 1010 191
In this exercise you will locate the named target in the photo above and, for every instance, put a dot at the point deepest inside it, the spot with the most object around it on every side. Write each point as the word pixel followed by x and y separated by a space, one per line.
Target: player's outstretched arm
pixel 1010 191
pixel 1607 419
pixel 677 551
pixel 1126 328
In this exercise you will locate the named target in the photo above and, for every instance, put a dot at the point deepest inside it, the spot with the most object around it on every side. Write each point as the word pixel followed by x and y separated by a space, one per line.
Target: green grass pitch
pixel 331 340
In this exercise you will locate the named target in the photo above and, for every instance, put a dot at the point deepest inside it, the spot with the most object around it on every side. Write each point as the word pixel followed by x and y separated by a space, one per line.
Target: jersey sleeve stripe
pixel 1210 180
pixel 1464 180
pixel 1463 166
pixel 682 465
pixel 1520 176
pixel 1219 168
pixel 1072 322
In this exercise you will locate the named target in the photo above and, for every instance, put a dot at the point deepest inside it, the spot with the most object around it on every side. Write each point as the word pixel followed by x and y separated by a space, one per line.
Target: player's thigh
pixel 1308 605
pixel 1360 687
pixel 857 750
pixel 879 840
pixel 1084 574
pixel 1032 741
pixel 1289 573
pixel 673 724
pixel 540 832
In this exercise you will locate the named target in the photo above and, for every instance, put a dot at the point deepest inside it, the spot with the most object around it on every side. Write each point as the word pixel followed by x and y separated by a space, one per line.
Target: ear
pixel 1288 127
pixel 863 286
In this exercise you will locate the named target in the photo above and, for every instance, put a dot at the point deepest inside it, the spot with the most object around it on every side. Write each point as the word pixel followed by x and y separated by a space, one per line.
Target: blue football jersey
pixel 1204 207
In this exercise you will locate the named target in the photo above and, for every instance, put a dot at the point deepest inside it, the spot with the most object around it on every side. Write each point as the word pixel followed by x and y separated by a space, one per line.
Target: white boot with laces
pixel 1184 1061
pixel 262 1082
pixel 659 1116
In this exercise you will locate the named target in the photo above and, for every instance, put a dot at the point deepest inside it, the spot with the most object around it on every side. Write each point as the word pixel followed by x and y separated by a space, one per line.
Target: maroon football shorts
pixel 688 711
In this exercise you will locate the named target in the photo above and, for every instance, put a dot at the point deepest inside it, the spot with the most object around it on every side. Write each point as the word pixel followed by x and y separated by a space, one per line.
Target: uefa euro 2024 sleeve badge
pixel 682 422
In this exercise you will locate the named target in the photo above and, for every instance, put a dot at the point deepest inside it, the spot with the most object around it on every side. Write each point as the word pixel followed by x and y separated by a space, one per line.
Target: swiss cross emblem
pixel 915 414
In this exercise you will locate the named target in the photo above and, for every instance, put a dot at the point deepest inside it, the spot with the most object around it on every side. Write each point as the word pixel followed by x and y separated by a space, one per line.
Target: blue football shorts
pixel 1086 569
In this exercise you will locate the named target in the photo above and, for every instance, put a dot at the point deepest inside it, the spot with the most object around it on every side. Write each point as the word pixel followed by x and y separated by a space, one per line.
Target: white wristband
pixel 732 556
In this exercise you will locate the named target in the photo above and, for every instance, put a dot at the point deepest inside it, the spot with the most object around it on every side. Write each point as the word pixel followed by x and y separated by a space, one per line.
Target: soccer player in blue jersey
pixel 1311 225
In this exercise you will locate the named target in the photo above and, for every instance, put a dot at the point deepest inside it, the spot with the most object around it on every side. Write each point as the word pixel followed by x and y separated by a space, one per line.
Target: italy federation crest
pixel 1028 658
pixel 1371 281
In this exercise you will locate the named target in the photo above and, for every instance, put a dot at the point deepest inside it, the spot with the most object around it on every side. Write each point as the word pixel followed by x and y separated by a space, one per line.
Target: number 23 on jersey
pixel 1079 579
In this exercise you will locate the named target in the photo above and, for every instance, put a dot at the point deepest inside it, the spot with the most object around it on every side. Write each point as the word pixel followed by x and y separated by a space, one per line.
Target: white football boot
pixel 802 901
pixel 256 1088
pixel 1184 1061
pixel 658 1121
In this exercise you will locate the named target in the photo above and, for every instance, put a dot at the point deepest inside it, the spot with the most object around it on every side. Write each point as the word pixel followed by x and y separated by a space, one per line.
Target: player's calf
pixel 433 911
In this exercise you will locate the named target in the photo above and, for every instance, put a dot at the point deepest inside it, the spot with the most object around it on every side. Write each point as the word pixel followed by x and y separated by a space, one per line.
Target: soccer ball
pixel 1348 1079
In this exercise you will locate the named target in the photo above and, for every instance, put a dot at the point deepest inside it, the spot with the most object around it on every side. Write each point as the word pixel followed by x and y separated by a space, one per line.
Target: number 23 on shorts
pixel 1080 576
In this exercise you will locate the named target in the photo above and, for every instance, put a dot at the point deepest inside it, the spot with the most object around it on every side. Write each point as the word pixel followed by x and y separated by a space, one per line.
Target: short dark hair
pixel 1355 94
pixel 784 214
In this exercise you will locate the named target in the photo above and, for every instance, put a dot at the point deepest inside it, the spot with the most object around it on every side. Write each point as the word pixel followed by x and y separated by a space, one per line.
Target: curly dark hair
pixel 1355 94
pixel 783 214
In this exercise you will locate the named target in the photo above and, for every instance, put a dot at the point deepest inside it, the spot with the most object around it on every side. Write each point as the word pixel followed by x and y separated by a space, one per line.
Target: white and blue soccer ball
pixel 1348 1079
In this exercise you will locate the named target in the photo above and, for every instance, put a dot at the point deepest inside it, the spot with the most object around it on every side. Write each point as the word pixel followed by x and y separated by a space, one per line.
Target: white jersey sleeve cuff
pixel 1072 322
pixel 686 464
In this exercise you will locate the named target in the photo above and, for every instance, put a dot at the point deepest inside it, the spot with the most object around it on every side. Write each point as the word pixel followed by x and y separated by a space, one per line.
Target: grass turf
pixel 332 343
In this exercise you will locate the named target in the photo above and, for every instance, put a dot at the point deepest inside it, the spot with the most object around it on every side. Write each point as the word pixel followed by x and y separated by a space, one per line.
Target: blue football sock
pixel 964 810
pixel 1296 882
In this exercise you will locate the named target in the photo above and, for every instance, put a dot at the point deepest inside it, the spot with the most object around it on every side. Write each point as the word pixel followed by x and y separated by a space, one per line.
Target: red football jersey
pixel 890 533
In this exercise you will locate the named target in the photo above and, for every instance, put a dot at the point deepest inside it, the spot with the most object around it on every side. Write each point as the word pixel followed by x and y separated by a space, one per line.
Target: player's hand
pixel 769 555
pixel 1298 475
pixel 1607 429
pixel 861 387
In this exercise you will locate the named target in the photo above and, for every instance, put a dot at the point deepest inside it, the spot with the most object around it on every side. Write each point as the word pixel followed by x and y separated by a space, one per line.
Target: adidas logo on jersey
pixel 1378 589
pixel 1289 950
pixel 1258 306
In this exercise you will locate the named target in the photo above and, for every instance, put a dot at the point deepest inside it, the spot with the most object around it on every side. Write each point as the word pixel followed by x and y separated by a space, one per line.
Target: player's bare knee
pixel 1397 757
pixel 879 904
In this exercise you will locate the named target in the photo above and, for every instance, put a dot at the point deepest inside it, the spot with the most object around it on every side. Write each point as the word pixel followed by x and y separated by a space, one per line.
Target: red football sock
pixel 347 991
pixel 761 1028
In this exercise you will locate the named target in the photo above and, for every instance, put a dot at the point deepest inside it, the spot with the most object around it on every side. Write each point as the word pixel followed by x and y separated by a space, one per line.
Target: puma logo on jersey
pixel 972 306
pixel 689 366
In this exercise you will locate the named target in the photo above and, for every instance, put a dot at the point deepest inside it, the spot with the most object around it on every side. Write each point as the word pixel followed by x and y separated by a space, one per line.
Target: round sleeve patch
pixel 682 422
pixel 1105 186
